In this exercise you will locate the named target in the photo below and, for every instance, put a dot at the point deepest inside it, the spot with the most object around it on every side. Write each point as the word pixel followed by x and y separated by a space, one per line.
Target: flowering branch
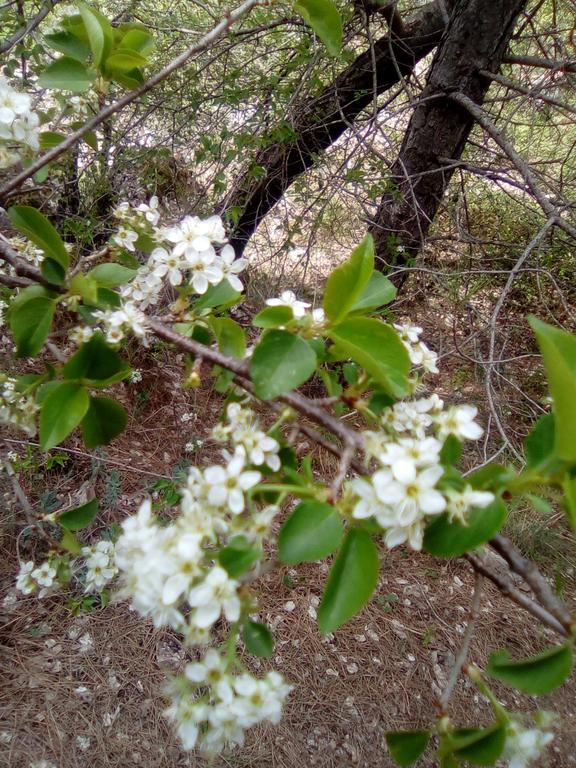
pixel 231 18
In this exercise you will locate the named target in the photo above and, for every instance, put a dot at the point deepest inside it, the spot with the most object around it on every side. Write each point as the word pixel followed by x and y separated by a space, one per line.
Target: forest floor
pixel 83 687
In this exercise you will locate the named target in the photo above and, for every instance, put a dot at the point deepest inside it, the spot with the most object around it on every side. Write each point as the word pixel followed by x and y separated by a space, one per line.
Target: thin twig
pixel 506 587
pixel 522 166
pixel 465 647
pixel 83 454
pixel 532 576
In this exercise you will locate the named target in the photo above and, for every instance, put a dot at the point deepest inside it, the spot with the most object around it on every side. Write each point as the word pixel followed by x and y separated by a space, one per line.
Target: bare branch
pixel 523 167
pixel 10 42
pixel 532 576
pixel 465 647
pixel 509 590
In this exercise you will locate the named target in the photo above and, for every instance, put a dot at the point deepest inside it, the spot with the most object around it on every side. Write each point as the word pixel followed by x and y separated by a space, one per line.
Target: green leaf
pixel 347 282
pixel 313 531
pixel 537 675
pixel 96 363
pixel 70 542
pixel 539 445
pixel 84 286
pixel 138 40
pixel 30 318
pixel 124 61
pixel 221 296
pixel 258 639
pixel 325 20
pixel 79 517
pixel 445 539
pixel 273 317
pixel 67 42
pixel 377 348
pixel 111 275
pixel 451 450
pixel 569 488
pixel 379 291
pixel 479 746
pixel 62 411
pixel 100 32
pixel 230 336
pixel 238 556
pixel 104 421
pixel 280 362
pixel 36 227
pixel 53 272
pixel 351 581
pixel 559 353
pixel 66 74
pixel 407 746
pixel 49 139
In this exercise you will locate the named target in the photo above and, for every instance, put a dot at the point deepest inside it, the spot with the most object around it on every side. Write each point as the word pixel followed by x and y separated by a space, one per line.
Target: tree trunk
pixel 317 122
pixel 477 37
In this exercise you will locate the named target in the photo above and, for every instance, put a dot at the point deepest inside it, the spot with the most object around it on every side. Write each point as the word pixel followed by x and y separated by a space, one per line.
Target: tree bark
pixel 476 39
pixel 317 122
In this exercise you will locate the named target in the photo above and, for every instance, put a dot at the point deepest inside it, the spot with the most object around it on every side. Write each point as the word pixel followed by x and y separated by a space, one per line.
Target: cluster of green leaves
pixel 92 48
pixel 67 402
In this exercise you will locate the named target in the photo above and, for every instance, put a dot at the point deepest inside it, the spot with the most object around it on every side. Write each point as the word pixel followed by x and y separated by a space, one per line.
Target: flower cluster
pixel 420 355
pixel 18 125
pixel 42 577
pixel 165 567
pixel 169 574
pixel 186 253
pixel 16 408
pixel 243 430
pixel 211 707
pixel 403 493
pixel 101 567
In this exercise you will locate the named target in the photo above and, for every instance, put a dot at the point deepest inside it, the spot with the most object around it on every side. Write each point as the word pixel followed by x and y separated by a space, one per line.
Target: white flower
pixel 228 484
pixel 211 671
pixel 408 333
pixel 100 565
pixel 81 334
pixel 150 211
pixel 191 237
pixel 215 595
pixel 288 299
pixel 460 502
pixel 231 267
pixel 412 498
pixel 44 575
pixel 523 746
pixel 126 238
pixel 185 558
pixel 167 264
pixel 459 421
pixel 12 104
pixel 204 271
pixel 24 581
pixel 422 356
pixel 408 455
pixel 369 504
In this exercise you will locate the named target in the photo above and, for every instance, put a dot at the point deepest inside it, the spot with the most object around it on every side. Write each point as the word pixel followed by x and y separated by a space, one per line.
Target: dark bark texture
pixel 476 39
pixel 318 122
